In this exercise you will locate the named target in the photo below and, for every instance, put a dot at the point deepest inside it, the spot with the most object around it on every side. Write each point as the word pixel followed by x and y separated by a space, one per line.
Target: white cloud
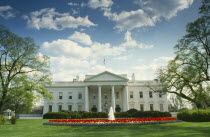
pixel 68 62
pixel 48 18
pixel 81 38
pixel 6 12
pixel 69 48
pixel 66 75
pixel 154 65
pixel 129 42
pixel 66 47
pixel 122 58
pixel 100 3
pixel 129 20
pixel 161 59
pixel 160 62
pixel 164 8
pixel 73 4
pixel 148 14
pixel 106 49
pixel 141 67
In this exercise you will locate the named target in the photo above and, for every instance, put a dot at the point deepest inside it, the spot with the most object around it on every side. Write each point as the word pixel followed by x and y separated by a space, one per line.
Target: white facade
pixel 103 91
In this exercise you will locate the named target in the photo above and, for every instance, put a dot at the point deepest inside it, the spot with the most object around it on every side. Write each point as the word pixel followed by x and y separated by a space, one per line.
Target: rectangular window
pixel 79 96
pixel 59 108
pixel 94 97
pixel 141 107
pixel 150 94
pixel 70 95
pixel 117 95
pixel 94 106
pixel 161 108
pixel 50 108
pixel 70 107
pixel 160 94
pixel 131 94
pixel 105 97
pixel 151 107
pixel 60 95
pixel 141 94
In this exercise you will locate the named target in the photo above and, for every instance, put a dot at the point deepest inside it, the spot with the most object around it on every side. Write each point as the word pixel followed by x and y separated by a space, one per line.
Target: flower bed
pixel 106 122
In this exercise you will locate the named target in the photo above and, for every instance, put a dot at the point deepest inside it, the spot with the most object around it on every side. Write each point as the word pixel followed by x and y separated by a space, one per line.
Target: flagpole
pixel 105 63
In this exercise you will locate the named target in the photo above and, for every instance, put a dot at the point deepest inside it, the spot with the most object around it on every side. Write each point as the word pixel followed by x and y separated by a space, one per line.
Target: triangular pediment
pixel 106 76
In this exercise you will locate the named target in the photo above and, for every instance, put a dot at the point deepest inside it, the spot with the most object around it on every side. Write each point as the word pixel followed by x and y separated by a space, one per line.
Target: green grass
pixel 34 128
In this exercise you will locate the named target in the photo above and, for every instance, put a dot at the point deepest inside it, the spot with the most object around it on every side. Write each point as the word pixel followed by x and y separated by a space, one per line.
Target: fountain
pixel 111 114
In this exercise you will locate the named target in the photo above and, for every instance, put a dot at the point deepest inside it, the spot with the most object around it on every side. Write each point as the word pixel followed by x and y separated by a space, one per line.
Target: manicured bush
pixel 142 114
pixel 2 119
pixel 121 115
pixel 85 114
pixel 98 115
pixel 131 111
pixel 75 115
pixel 118 109
pixel 13 120
pixel 56 115
pixel 94 109
pixel 198 115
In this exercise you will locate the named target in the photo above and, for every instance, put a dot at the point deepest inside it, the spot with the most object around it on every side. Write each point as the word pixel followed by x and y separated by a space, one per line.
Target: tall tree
pixel 188 74
pixel 23 69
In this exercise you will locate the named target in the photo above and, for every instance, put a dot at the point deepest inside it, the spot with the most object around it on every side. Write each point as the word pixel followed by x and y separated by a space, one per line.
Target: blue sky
pixel 133 36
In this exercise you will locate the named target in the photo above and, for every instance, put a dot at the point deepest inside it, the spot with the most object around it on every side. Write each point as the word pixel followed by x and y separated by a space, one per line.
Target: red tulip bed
pixel 106 122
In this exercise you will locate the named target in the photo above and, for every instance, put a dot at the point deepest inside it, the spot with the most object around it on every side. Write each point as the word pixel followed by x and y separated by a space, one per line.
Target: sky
pixel 91 36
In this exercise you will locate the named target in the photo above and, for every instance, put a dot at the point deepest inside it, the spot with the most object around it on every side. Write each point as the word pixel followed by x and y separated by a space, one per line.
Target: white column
pixel 125 102
pixel 113 98
pixel 99 98
pixel 86 99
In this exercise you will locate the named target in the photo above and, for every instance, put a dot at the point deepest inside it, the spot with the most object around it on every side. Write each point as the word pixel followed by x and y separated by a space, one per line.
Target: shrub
pixel 56 115
pixel 121 115
pixel 75 115
pixel 94 109
pixel 131 111
pixel 13 120
pixel 118 109
pixel 198 115
pixel 98 115
pixel 85 114
pixel 142 114
pixel 2 119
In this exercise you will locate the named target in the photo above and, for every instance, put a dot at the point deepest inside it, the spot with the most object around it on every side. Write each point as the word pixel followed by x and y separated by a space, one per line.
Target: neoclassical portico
pixel 106 85
pixel 102 91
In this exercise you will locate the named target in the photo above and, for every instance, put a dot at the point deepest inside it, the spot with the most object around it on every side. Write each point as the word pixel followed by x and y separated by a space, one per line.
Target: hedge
pixel 142 114
pixel 199 115
pixel 56 115
pixel 2 119
pixel 64 114
pixel 132 113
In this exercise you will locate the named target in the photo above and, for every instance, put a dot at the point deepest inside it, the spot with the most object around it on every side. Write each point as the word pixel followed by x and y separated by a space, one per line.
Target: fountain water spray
pixel 111 114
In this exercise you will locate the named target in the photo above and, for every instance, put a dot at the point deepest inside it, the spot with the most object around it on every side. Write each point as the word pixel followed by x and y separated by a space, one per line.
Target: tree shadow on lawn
pixel 172 130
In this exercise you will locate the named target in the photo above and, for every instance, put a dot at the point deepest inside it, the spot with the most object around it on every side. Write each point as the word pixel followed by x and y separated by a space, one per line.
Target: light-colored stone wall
pixel 118 82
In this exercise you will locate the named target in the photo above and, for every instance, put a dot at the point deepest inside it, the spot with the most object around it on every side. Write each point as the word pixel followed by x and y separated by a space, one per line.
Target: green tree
pixel 23 70
pixel 188 74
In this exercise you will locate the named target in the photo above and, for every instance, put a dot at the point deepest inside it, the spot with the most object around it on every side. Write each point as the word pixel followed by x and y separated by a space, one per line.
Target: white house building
pixel 103 91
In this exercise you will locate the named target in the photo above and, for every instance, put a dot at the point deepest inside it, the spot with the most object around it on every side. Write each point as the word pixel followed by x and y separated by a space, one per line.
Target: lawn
pixel 34 128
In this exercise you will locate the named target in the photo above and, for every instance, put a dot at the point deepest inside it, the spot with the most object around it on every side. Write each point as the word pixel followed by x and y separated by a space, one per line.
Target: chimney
pixel 133 77
pixel 156 80
pixel 77 78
